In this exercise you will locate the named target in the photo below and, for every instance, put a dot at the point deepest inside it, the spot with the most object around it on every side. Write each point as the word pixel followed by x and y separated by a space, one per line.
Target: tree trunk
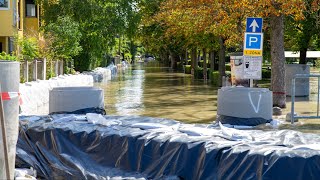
pixel 204 64
pixel 174 59
pixel 303 56
pixel 222 57
pixel 212 60
pixel 186 57
pixel 193 60
pixel 278 61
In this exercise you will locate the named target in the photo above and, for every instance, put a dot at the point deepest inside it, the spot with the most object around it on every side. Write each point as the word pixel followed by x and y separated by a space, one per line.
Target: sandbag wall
pixel 35 95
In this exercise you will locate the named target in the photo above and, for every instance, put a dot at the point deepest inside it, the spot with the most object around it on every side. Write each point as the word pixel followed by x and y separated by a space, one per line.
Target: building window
pixel 4 4
pixel 31 8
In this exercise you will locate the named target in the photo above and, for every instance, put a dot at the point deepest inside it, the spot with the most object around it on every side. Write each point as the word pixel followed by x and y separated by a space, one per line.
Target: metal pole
pixel 318 97
pixel 293 94
pixel 4 137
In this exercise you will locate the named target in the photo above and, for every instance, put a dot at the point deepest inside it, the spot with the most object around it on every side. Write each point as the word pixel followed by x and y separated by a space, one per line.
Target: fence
pixel 293 94
pixel 42 69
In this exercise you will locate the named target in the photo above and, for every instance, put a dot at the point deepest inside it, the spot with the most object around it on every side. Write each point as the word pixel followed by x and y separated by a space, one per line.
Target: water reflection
pixel 129 97
pixel 157 92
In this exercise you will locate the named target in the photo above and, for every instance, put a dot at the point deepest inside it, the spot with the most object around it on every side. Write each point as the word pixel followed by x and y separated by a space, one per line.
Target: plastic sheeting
pixel 242 121
pixel 103 74
pixel 69 146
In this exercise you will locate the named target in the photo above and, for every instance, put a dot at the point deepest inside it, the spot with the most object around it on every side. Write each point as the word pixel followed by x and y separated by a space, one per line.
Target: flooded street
pixel 157 92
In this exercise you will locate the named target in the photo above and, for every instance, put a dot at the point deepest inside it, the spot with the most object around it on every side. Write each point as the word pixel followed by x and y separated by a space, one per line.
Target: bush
pixel 187 69
pixel 228 67
pixel 317 63
pixel 29 47
pixel 201 63
pixel 198 73
pixel 5 56
pixel 266 74
pixel 215 76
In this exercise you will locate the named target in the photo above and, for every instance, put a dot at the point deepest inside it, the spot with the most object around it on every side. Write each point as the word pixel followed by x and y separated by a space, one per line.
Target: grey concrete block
pixel 69 99
pixel 242 102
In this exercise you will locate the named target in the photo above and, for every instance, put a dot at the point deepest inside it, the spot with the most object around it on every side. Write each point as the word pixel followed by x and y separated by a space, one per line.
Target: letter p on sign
pixel 253 41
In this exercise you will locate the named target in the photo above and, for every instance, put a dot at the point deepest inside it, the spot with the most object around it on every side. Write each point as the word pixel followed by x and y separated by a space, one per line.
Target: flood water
pixel 158 92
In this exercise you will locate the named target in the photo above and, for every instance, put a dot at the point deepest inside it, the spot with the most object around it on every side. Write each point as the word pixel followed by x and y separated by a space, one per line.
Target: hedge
pixel 266 74
pixel 215 76
pixel 187 69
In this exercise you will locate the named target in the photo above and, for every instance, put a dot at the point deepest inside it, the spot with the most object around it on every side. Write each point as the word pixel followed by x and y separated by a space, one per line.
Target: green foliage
pixel 228 67
pixel 198 73
pixel 64 38
pixel 300 34
pixel 22 79
pixel 266 74
pixel 5 56
pixel 317 63
pixel 215 77
pixel 187 69
pixel 29 47
pixel 100 22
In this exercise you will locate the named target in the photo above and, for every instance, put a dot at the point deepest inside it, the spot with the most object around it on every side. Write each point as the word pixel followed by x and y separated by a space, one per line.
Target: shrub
pixel 5 56
pixel 215 76
pixel 187 69
pixel 198 73
pixel 201 63
pixel 266 74
pixel 317 63
pixel 228 67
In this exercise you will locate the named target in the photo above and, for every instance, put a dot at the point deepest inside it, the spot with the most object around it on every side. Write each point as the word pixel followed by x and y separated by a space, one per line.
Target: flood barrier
pixel 244 106
pixel 81 147
pixel 35 94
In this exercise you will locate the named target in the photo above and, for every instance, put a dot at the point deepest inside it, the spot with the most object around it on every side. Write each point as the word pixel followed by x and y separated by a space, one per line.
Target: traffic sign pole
pixel 253 49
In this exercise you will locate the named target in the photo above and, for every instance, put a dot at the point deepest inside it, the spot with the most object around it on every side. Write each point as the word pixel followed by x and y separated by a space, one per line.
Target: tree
pixel 276 10
pixel 28 47
pixel 100 21
pixel 63 37
pixel 300 33
pixel 225 20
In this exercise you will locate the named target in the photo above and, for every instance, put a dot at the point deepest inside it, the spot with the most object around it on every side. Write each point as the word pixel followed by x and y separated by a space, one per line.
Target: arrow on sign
pixel 254 25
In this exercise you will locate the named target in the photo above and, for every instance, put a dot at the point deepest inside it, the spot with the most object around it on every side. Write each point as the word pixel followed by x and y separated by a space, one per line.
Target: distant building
pixel 17 17
pixel 310 54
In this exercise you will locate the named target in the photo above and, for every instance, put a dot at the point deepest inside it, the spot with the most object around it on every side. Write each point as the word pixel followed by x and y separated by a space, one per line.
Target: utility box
pixel 69 99
pixel 302 84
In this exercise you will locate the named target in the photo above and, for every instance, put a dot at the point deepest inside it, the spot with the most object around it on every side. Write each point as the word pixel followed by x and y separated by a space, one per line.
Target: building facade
pixel 17 17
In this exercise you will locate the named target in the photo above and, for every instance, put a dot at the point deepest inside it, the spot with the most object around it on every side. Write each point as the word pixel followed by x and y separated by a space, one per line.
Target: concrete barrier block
pixel 69 99
pixel 242 102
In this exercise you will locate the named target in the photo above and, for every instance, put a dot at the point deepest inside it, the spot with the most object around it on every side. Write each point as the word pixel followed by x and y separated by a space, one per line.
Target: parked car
pixel 147 58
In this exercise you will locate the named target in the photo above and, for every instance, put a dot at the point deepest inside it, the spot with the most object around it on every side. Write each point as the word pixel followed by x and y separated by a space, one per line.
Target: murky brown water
pixel 157 92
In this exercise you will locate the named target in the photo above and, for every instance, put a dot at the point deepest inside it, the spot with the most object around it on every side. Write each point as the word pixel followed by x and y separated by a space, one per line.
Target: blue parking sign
pixel 253 41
